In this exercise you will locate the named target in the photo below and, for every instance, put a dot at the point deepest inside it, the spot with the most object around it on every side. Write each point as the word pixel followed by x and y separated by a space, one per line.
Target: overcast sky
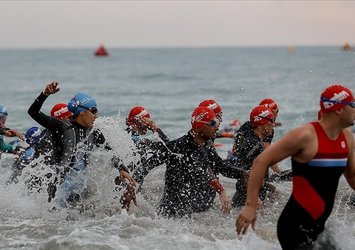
pixel 175 23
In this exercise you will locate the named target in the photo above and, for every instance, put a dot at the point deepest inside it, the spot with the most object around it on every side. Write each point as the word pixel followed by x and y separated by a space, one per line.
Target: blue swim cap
pixel 33 135
pixel 81 102
pixel 3 111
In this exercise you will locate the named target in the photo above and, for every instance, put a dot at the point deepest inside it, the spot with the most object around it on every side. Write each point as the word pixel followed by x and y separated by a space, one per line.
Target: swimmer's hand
pixel 226 203
pixel 51 88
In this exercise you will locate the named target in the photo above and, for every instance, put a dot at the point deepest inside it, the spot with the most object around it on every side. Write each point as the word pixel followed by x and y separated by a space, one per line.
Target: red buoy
pixel 101 51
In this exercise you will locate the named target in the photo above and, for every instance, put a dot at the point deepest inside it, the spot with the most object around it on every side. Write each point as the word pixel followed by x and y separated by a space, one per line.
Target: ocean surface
pixel 170 83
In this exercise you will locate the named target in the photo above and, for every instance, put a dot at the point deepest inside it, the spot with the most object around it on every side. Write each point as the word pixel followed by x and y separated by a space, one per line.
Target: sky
pixel 65 24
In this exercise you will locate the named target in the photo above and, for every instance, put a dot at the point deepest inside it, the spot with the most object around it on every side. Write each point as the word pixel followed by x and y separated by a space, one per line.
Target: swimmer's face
pixel 210 128
pixel 348 115
pixel 141 128
pixel 87 118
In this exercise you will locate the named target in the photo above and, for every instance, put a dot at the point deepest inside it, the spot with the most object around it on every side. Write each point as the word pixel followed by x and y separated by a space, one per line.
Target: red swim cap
pixel 200 115
pixel 332 97
pixel 211 104
pixel 269 103
pixel 60 111
pixel 261 115
pixel 136 114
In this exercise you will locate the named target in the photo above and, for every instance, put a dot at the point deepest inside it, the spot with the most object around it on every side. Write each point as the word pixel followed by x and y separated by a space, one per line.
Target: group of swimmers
pixel 192 163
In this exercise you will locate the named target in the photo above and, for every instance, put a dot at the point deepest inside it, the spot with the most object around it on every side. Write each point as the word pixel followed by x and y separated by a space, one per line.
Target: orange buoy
pixel 346 47
pixel 290 49
pixel 101 51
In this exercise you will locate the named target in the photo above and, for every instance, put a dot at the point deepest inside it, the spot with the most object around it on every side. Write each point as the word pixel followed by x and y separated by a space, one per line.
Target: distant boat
pixel 346 47
pixel 101 51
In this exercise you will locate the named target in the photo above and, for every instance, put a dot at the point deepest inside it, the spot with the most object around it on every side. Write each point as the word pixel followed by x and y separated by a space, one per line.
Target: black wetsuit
pixel 146 149
pixel 240 136
pixel 52 144
pixel 74 184
pixel 314 187
pixel 55 127
pixel 86 140
pixel 250 147
pixel 162 135
pixel 44 147
pixel 189 168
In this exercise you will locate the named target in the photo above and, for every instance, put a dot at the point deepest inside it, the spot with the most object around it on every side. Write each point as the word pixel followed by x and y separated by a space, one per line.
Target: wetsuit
pixel 162 135
pixel 240 136
pixel 250 147
pixel 146 149
pixel 57 134
pixel 314 187
pixel 56 128
pixel 44 147
pixel 227 168
pixel 188 175
pixel 75 183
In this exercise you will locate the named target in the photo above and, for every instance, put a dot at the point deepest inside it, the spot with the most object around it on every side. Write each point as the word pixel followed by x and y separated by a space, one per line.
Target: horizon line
pixel 173 46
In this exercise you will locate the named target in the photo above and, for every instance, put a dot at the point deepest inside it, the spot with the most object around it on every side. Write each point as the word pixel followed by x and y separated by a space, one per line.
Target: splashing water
pixel 169 83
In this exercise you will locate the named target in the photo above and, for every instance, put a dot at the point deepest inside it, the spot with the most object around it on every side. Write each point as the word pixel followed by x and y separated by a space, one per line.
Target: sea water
pixel 169 83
